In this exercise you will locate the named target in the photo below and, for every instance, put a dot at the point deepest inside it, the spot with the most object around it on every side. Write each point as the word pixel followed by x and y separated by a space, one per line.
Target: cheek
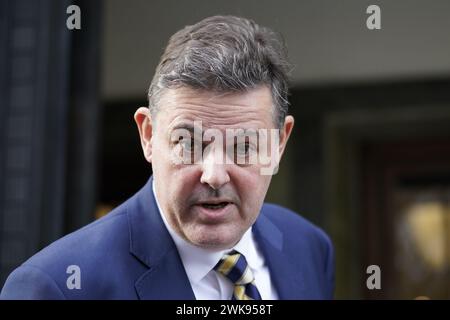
pixel 163 164
pixel 252 188
pixel 181 184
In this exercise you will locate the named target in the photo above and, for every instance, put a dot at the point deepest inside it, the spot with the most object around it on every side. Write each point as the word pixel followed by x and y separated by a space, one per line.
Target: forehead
pixel 249 109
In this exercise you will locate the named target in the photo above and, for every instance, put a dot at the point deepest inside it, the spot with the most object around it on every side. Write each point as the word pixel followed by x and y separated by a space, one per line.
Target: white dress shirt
pixel 208 284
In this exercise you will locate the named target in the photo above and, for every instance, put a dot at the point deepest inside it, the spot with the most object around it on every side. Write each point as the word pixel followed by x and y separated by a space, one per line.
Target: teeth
pixel 215 206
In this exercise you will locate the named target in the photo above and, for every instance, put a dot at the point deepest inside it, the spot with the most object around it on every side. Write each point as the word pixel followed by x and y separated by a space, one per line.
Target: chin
pixel 214 238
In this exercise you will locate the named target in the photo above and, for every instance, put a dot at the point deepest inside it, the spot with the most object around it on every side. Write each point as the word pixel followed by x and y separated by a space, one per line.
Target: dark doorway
pixel 123 169
pixel 407 217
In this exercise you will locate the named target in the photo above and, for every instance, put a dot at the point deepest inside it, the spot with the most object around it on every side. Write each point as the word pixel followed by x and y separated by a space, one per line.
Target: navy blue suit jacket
pixel 129 254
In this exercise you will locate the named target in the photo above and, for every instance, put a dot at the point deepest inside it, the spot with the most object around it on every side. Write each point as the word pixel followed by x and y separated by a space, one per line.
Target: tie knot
pixel 234 266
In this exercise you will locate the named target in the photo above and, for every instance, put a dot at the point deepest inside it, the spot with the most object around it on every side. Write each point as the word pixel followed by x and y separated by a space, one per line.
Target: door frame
pixel 345 132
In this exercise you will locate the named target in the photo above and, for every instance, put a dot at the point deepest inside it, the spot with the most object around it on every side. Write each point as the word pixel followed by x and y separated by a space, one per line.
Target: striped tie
pixel 234 267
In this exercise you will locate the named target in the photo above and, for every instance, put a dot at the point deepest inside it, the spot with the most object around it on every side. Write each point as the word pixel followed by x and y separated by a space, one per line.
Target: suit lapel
pixel 166 280
pixel 286 276
pixel 151 243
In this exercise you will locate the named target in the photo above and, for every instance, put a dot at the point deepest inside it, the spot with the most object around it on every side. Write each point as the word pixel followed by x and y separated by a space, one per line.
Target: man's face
pixel 209 202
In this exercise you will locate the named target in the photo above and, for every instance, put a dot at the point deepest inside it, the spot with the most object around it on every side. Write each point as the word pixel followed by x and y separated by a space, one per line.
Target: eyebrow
pixel 241 132
pixel 184 126
pixel 187 126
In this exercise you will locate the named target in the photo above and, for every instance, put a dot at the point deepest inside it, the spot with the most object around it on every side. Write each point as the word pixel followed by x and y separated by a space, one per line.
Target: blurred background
pixel 369 159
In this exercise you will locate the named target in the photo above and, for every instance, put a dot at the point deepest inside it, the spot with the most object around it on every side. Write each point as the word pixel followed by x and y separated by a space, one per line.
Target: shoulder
pixel 107 232
pixel 302 240
pixel 293 225
pixel 92 250
pixel 308 247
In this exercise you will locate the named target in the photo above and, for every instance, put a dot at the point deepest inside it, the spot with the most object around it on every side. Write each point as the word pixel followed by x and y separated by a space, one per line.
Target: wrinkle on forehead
pixel 253 108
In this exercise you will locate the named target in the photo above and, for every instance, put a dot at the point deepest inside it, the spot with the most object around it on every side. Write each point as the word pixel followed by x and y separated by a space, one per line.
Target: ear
pixel 285 133
pixel 143 120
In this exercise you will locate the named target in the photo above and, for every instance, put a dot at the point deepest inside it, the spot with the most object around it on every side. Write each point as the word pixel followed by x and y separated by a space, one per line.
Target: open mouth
pixel 215 206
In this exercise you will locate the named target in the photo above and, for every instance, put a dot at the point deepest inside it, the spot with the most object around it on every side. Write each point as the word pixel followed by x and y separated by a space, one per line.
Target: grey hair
pixel 224 53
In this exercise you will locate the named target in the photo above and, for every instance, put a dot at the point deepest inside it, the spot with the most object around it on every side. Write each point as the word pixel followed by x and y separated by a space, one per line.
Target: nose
pixel 214 170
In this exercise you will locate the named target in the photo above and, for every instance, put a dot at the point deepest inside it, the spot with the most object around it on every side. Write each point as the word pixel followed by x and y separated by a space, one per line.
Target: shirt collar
pixel 197 261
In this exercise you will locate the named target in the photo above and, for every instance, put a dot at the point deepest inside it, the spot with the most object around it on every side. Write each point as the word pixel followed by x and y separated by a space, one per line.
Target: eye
pixel 244 153
pixel 188 145
pixel 242 149
pixel 189 150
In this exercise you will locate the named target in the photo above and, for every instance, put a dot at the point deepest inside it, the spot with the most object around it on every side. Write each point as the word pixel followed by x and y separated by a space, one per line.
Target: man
pixel 199 229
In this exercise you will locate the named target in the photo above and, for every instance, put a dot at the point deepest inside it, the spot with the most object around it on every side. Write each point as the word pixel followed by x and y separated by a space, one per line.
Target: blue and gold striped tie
pixel 234 267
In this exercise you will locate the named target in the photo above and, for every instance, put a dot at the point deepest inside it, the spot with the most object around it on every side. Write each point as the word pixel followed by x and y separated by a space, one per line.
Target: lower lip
pixel 214 215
